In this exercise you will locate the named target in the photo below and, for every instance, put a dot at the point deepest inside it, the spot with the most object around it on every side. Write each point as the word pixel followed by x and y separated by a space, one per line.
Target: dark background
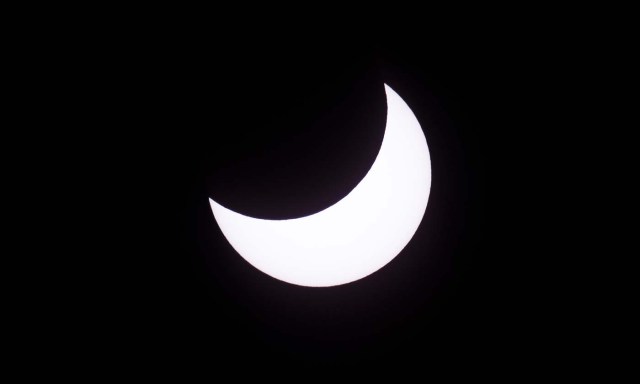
pixel 281 125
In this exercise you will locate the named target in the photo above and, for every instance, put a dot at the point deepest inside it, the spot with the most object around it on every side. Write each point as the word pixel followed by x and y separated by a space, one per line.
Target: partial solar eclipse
pixel 360 233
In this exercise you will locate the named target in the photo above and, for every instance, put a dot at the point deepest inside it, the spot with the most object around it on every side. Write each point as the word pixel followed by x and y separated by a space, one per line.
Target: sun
pixel 360 233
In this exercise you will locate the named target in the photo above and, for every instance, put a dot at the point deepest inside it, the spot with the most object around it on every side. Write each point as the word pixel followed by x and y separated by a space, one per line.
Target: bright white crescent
pixel 360 233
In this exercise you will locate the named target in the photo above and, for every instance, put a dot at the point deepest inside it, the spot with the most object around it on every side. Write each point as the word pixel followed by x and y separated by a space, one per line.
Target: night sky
pixel 279 126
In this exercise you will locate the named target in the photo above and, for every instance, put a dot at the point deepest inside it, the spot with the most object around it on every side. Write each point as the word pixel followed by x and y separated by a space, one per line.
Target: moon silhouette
pixel 359 234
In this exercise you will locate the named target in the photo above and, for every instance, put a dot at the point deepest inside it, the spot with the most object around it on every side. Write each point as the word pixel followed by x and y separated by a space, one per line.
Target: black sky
pixel 279 126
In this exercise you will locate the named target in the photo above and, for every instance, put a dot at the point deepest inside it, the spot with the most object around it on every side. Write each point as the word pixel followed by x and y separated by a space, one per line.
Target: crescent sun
pixel 359 234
